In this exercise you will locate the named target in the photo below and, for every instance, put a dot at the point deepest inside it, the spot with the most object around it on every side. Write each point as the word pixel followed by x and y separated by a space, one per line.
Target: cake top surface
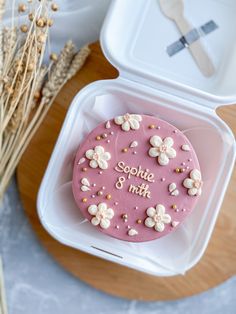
pixel 136 177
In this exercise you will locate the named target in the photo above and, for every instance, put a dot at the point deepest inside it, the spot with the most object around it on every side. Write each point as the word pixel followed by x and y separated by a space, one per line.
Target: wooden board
pixel 217 264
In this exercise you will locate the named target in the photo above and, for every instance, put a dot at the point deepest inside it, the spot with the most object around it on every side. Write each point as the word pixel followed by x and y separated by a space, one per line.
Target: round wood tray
pixel 217 264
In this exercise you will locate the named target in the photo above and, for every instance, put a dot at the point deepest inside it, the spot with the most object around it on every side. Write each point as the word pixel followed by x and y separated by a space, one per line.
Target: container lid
pixel 135 37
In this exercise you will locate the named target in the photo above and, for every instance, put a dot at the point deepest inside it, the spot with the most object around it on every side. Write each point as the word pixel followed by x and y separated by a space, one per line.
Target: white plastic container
pixel 134 38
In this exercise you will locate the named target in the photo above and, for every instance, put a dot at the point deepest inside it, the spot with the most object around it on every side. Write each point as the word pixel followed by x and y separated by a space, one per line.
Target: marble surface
pixel 35 284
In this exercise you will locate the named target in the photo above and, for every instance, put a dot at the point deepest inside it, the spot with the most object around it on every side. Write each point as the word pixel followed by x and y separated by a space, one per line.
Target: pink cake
pixel 136 178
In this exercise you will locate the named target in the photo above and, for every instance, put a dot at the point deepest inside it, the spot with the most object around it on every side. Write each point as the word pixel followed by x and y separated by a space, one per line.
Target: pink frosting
pixel 114 140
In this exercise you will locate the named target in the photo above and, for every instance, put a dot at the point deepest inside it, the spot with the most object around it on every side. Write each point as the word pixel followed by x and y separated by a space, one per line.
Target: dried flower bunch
pixel 27 86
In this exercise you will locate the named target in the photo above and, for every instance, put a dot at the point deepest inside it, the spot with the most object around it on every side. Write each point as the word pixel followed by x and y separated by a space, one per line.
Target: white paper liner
pixel 172 253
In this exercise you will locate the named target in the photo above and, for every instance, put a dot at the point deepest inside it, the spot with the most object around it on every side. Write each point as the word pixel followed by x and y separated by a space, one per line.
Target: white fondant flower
pixel 157 218
pixel 102 214
pixel 128 121
pixel 162 149
pixel 98 157
pixel 194 183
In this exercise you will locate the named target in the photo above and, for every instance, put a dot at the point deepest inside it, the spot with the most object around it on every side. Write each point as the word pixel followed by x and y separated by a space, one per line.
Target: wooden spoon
pixel 174 10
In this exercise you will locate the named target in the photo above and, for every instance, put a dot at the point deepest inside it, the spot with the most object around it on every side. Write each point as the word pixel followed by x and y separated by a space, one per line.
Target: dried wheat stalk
pixel 3 304
pixel 28 88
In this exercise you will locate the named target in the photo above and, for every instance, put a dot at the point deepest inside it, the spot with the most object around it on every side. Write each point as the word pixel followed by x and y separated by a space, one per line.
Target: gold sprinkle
pixel 108 197
pixel 104 135
pixel 84 200
pixel 139 221
pixel 24 28
pixel 177 170
pixel 84 169
pixel 99 193
pixel 124 216
pixel 182 170
pixel 151 126
pixel 125 150
pixel 54 7
pixel 98 138
pixel 174 206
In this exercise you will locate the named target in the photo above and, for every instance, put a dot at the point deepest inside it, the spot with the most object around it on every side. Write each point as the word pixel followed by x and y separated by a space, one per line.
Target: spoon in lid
pixel 174 10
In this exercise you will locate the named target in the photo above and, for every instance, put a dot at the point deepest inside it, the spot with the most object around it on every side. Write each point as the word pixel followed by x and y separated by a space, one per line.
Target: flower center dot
pixel 100 215
pixel 95 156
pixel 197 184
pixel 163 148
pixel 126 117
pixel 157 218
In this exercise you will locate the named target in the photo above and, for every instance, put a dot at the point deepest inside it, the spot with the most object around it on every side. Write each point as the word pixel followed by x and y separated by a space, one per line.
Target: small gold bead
pixel 151 126
pixel 84 200
pixel 40 22
pixel 53 57
pixel 31 16
pixel 98 138
pixel 84 169
pixel 49 22
pixel 174 206
pixel 108 197
pixel 124 216
pixel 139 221
pixel 182 170
pixel 24 28
pixel 99 193
pixel 125 150
pixel 21 7
pixel 177 170
pixel 54 7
